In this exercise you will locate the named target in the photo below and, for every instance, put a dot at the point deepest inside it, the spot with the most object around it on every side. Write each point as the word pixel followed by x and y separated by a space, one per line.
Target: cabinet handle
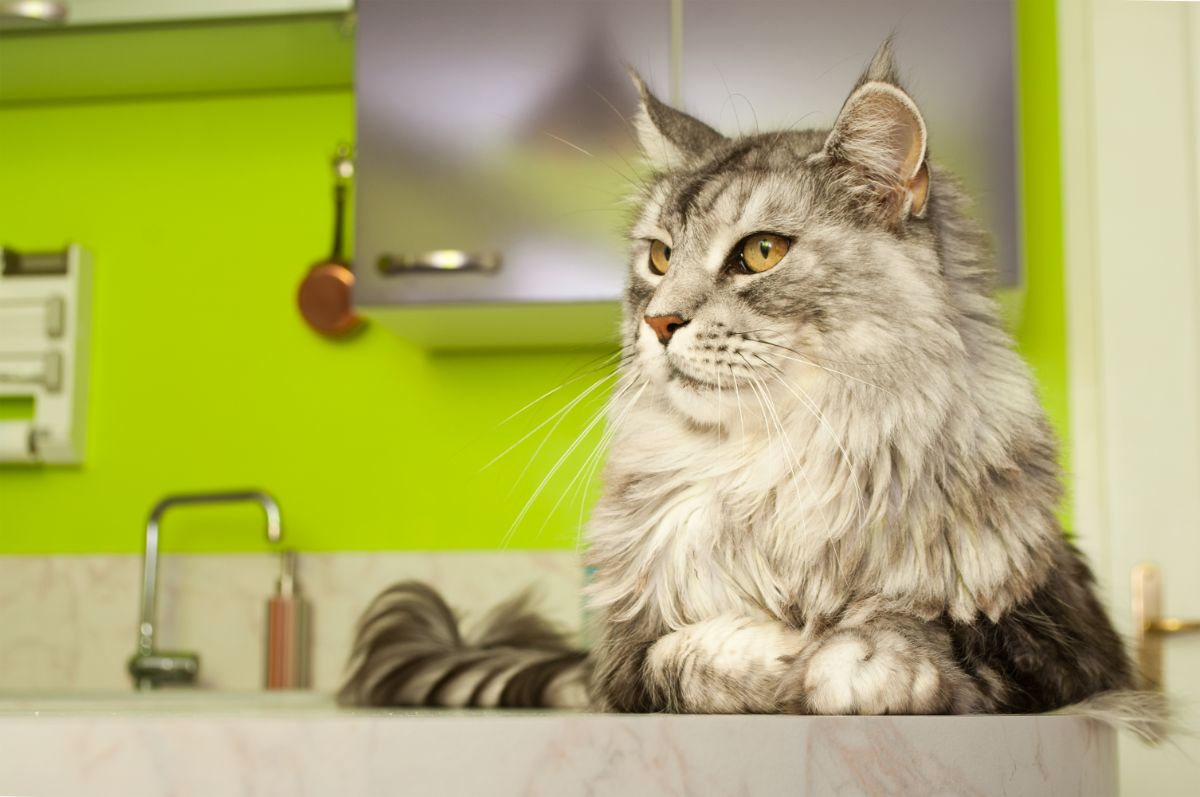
pixel 20 13
pixel 1150 627
pixel 441 260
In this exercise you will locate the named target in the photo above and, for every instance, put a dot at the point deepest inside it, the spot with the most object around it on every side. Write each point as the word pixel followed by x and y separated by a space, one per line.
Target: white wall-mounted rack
pixel 45 320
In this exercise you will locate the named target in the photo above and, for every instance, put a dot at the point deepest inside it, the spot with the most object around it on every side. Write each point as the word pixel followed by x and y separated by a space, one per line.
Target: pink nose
pixel 665 326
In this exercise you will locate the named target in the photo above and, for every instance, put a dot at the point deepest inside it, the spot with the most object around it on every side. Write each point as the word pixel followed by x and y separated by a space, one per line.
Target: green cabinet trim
pixel 105 64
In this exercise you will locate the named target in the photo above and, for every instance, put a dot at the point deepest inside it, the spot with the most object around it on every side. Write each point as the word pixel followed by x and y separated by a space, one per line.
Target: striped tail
pixel 409 652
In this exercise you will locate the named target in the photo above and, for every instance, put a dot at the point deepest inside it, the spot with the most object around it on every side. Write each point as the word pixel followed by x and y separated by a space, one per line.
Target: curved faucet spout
pixel 145 655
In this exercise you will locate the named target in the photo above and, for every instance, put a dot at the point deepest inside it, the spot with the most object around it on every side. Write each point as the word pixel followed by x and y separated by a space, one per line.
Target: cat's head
pixel 791 256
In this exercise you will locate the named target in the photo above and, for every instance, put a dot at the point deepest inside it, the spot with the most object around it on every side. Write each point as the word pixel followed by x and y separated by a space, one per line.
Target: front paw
pixel 861 672
pixel 726 665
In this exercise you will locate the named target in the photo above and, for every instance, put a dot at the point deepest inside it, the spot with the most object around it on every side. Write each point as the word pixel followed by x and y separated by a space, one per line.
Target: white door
pixel 1130 93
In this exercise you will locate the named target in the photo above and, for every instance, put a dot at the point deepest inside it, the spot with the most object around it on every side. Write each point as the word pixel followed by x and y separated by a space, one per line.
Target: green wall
pixel 202 213
pixel 202 216
pixel 1042 335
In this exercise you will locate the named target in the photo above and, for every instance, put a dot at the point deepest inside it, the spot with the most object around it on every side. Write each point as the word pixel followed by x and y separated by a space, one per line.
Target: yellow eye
pixel 762 251
pixel 660 257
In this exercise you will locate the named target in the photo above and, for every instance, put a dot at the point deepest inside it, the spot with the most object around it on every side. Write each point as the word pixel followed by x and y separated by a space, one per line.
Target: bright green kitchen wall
pixel 1042 332
pixel 202 213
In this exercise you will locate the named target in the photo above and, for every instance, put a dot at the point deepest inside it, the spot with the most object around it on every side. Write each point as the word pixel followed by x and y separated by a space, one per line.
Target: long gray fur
pixel 834 489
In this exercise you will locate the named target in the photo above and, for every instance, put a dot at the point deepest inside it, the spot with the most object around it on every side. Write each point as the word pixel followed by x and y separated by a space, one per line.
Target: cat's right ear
pixel 669 139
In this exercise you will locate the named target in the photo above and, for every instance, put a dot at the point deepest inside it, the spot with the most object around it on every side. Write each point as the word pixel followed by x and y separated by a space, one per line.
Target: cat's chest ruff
pixel 699 562
pixel 688 521
pixel 729 534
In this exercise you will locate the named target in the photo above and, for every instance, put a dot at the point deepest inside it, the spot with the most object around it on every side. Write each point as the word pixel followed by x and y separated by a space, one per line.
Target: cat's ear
pixel 669 138
pixel 881 136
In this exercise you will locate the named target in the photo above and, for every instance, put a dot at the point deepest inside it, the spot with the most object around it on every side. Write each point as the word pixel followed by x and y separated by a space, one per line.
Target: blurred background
pixel 187 149
pixel 191 158
pixel 379 386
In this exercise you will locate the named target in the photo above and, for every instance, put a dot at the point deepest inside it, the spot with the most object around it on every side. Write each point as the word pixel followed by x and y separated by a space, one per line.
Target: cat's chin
pixel 702 404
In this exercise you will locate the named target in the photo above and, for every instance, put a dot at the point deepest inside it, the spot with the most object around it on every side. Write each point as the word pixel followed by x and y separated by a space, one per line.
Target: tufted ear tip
pixel 636 79
pixel 882 68
pixel 669 138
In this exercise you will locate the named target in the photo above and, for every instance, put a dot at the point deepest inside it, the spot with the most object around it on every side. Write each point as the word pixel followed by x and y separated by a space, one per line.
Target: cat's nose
pixel 665 326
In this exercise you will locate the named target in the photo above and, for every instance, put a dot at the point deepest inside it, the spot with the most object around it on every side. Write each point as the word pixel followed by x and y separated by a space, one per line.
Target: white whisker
pixel 620 353
pixel 810 405
pixel 801 359
pixel 738 398
pixel 820 504
pixel 593 460
pixel 546 479
pixel 561 411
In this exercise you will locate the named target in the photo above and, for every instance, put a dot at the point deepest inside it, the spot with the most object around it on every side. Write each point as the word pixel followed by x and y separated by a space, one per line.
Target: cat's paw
pixel 875 671
pixel 726 665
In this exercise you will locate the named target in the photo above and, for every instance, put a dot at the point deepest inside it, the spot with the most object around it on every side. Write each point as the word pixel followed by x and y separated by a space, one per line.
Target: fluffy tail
pixel 409 652
pixel 1145 714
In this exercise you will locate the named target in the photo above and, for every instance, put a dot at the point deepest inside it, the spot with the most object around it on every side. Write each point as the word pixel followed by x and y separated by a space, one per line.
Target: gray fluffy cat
pixel 831 488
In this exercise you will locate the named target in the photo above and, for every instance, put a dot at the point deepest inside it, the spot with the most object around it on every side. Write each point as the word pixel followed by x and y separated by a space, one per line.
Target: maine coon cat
pixel 830 489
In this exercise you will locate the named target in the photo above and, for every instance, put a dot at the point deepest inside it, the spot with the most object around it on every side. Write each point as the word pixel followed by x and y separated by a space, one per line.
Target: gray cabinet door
pixel 494 144
pixel 499 130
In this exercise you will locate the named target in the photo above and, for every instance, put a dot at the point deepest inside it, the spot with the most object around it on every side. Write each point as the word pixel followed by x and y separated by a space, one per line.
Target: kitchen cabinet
pixel 495 151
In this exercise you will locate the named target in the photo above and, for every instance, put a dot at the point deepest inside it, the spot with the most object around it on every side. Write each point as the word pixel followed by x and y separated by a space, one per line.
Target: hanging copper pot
pixel 325 295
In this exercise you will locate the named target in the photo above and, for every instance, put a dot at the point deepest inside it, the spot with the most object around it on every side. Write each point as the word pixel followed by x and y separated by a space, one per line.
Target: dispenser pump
pixel 288 641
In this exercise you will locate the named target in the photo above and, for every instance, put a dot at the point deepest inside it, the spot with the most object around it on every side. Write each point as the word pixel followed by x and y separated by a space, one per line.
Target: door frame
pixel 1129 88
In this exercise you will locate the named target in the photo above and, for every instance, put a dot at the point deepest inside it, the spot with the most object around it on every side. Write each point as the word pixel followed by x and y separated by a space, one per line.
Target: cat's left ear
pixel 669 139
pixel 881 136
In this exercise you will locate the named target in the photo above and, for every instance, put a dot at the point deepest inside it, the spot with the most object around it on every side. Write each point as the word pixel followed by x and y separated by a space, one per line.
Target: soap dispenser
pixel 288 641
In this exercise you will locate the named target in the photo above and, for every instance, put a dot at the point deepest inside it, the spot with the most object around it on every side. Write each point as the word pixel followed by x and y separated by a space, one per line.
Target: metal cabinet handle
pixel 441 260
pixel 1150 627
pixel 33 11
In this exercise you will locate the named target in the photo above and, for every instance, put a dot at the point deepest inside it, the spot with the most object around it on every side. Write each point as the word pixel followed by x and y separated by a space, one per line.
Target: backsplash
pixel 70 622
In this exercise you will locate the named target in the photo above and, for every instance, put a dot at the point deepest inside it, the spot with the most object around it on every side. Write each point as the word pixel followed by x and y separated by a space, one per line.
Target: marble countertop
pixel 207 743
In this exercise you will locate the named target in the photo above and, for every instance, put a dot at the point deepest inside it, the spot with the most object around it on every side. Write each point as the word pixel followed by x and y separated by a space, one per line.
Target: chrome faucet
pixel 149 667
